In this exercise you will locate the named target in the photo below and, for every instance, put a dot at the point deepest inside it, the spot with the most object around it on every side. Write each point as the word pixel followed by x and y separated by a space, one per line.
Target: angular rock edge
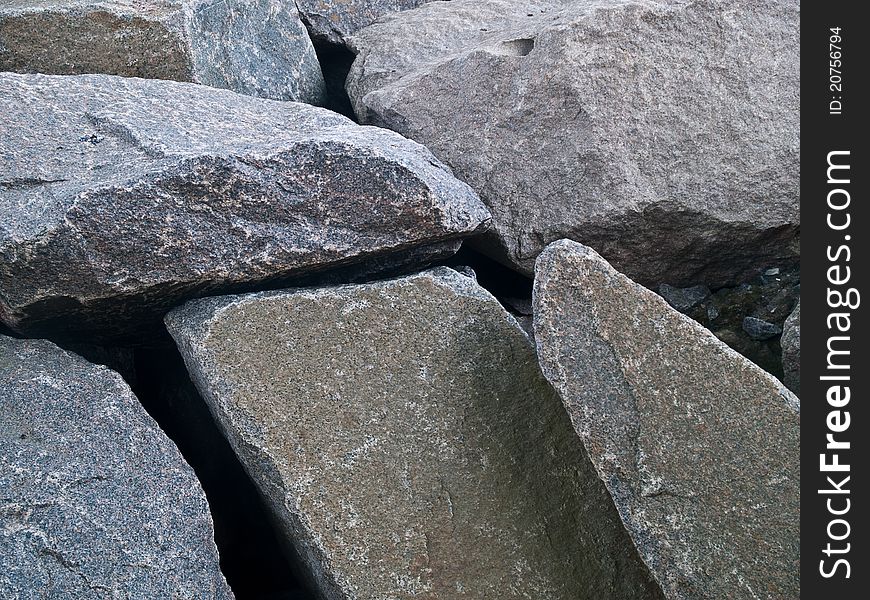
pixel 255 47
pixel 596 121
pixel 588 532
pixel 642 410
pixel 94 499
pixel 123 197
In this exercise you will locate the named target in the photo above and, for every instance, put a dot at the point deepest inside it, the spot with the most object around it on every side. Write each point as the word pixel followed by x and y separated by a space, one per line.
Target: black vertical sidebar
pixel 835 363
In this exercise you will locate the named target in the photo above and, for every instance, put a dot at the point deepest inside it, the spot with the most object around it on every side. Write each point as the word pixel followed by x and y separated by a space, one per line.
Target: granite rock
pixel 256 47
pixel 639 128
pixel 95 501
pixel 407 442
pixel 698 447
pixel 121 197
pixel 330 21
pixel 791 350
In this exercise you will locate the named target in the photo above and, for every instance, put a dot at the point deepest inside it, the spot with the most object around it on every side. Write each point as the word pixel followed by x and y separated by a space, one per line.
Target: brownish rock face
pixel 407 442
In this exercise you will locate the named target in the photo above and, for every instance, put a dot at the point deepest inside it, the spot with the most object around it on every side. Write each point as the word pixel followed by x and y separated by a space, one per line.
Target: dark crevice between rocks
pixel 513 290
pixel 335 61
pixel 136 320
pixel 253 559
pixel 7 332
pixel 748 317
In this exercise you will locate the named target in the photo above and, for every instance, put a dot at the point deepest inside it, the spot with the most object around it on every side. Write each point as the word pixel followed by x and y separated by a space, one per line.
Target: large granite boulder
pixel 95 501
pixel 698 447
pixel 791 350
pixel 407 442
pixel 121 197
pixel 640 128
pixel 256 47
pixel 330 21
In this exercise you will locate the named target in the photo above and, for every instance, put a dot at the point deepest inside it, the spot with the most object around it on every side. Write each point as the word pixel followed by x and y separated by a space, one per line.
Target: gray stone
pixel 759 329
pixel 95 501
pixel 255 47
pixel 466 270
pixel 699 448
pixel 120 197
pixel 332 21
pixel 684 299
pixel 407 442
pixel 791 350
pixel 595 120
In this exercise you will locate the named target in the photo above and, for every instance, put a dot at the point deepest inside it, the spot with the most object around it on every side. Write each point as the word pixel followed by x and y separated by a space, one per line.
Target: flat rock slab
pixel 407 442
pixel 639 128
pixel 791 350
pixel 331 21
pixel 120 198
pixel 255 47
pixel 698 447
pixel 95 501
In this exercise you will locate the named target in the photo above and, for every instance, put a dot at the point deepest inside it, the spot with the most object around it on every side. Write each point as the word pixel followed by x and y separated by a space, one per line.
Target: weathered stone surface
pixel 791 350
pixel 698 447
pixel 255 47
pixel 95 502
pixel 599 121
pixel 408 443
pixel 332 21
pixel 121 197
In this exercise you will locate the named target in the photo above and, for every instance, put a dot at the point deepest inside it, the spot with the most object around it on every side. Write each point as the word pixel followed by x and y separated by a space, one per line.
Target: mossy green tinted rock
pixel 405 438
pixel 698 447
pixel 95 501
pixel 256 47
pixel 121 198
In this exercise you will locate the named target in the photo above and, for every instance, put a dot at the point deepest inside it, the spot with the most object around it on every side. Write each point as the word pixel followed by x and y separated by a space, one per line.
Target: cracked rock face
pixel 255 47
pixel 641 129
pixel 698 447
pixel 407 442
pixel 332 21
pixel 791 350
pixel 120 198
pixel 95 501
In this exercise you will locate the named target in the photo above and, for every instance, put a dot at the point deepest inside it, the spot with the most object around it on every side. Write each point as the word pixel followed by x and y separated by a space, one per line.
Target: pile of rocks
pixel 170 178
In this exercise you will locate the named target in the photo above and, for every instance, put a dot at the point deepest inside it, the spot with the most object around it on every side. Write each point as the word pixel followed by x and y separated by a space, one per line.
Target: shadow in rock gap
pixel 748 317
pixel 335 61
pixel 513 290
pixel 253 559
pixel 7 332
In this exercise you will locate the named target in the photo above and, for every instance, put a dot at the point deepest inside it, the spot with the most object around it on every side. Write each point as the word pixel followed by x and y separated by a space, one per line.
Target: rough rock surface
pixel 791 351
pixel 698 447
pixel 255 47
pixel 120 197
pixel 388 425
pixel 332 21
pixel 95 502
pixel 639 128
